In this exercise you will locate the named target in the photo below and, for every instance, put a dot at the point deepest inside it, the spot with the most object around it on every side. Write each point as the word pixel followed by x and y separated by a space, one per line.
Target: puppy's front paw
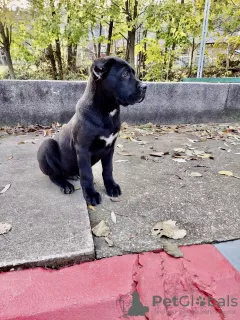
pixel 113 189
pixel 67 188
pixel 93 198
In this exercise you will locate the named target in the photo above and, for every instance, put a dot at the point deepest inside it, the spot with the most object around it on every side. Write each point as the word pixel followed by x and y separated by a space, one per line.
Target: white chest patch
pixel 112 113
pixel 110 139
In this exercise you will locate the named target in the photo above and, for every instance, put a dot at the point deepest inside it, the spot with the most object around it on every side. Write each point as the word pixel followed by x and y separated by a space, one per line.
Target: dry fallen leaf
pixel 121 160
pixel 226 173
pixel 90 207
pixel 196 174
pixel 205 156
pixel 124 153
pixel 157 154
pixel 192 140
pixel 178 155
pixel 134 140
pixel 179 160
pixel 10 157
pixel 101 230
pixel 5 188
pixel 146 126
pixel 113 217
pixel 142 143
pixel 189 153
pixel 109 242
pixel 172 249
pixel 48 132
pixel 115 199
pixel 197 152
pixel 125 137
pixel 5 227
pixel 179 150
pixel 33 141
pixel 168 229
pixel 124 125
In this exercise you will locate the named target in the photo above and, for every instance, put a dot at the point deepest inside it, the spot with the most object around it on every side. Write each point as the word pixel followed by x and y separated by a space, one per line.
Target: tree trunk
pixel 71 48
pixel 94 44
pixel 191 59
pixel 59 59
pixel 130 51
pixel 142 57
pixel 166 49
pixel 50 57
pixel 228 57
pixel 99 43
pixel 6 35
pixel 58 47
pixel 171 58
pixel 9 64
pixel 72 57
pixel 110 31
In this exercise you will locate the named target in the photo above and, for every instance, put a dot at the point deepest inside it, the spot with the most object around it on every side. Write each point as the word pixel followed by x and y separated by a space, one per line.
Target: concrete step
pixel 48 228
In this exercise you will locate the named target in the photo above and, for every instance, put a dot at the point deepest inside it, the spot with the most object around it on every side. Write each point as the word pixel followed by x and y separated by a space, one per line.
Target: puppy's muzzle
pixel 142 87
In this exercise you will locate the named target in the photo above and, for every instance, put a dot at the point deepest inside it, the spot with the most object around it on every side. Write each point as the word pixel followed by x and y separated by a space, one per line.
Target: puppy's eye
pixel 125 74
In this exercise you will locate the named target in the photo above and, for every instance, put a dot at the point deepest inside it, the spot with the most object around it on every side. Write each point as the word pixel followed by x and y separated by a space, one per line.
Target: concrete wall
pixel 30 102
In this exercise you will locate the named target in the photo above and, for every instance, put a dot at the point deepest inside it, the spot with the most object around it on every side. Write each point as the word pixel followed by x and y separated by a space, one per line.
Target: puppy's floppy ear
pixel 100 68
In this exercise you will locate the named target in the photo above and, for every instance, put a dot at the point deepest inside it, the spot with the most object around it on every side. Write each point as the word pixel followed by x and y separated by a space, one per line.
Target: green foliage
pixel 172 27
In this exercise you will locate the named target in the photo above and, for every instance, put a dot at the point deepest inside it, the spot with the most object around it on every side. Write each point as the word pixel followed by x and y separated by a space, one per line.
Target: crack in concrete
pixel 190 278
pixel 212 300
pixel 164 284
pixel 135 277
pixel 135 274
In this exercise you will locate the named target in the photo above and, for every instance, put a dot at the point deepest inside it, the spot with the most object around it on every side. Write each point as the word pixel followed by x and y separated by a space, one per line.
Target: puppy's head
pixel 117 78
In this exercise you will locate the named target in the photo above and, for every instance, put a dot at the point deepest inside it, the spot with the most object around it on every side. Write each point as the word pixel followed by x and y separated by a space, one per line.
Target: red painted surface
pixel 100 290
pixel 203 272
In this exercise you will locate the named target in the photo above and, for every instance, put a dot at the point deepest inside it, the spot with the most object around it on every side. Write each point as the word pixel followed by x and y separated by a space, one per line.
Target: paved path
pixel 51 229
pixel 48 228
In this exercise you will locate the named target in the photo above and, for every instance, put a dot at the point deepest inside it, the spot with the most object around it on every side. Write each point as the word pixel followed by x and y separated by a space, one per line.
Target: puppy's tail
pixel 49 158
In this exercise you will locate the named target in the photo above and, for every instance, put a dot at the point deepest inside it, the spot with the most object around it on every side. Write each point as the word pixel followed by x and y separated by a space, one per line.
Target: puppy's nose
pixel 144 87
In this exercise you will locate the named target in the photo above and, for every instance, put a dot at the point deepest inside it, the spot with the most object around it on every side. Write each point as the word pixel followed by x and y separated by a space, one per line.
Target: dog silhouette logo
pixel 131 305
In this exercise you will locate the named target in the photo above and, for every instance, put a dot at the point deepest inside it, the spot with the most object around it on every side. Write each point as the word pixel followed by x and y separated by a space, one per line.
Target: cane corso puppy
pixel 91 133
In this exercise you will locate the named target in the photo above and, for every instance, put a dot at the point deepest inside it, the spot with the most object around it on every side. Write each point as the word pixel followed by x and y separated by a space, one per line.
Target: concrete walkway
pixel 51 229
pixel 48 228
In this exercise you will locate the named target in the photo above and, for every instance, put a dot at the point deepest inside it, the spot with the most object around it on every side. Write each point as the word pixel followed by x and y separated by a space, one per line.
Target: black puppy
pixel 91 133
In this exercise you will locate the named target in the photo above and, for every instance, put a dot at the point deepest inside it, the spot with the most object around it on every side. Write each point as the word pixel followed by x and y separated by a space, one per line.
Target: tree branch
pixel 123 36
pixel 142 12
pixel 140 25
pixel 121 8
pixel 2 33
pixel 10 35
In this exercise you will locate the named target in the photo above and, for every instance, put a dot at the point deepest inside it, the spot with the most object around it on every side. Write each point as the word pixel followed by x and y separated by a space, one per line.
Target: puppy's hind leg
pixel 49 162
